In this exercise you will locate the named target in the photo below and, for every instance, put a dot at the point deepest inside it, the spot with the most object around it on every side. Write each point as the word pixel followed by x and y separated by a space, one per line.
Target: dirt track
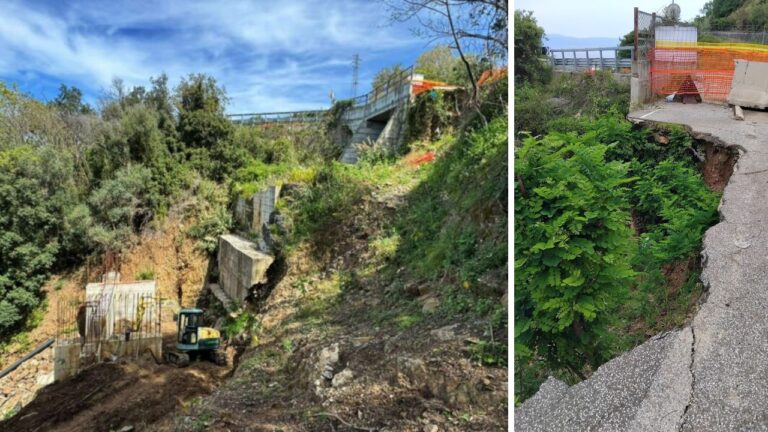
pixel 110 396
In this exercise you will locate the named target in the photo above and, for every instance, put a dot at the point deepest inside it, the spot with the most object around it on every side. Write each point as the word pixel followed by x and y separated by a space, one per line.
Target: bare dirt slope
pixel 111 396
pixel 340 349
pixel 170 257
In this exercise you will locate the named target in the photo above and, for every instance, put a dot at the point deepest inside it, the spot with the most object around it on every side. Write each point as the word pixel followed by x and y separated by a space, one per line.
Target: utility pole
pixel 355 71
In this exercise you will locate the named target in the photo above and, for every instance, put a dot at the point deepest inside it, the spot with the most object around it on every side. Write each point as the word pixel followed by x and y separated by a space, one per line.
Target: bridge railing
pixel 279 117
pixel 393 85
pixel 382 97
pixel 570 59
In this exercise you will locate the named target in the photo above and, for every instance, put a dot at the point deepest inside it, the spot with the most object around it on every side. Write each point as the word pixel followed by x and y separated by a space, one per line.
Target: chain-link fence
pixel 644 31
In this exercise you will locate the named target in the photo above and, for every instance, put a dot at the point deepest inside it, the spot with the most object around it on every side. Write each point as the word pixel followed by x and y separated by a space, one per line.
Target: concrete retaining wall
pixel 241 266
pixel 68 358
pixel 254 212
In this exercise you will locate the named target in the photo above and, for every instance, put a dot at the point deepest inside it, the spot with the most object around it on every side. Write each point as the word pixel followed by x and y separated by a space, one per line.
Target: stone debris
pixel 343 378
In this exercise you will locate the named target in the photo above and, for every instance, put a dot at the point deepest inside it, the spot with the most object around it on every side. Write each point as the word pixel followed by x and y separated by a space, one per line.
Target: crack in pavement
pixel 693 380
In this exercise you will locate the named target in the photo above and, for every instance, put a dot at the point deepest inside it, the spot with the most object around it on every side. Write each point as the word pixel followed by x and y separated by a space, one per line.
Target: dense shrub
pixel 676 206
pixel 121 204
pixel 210 214
pixel 591 94
pixel 431 113
pixel 572 249
pixel 35 195
pixel 533 110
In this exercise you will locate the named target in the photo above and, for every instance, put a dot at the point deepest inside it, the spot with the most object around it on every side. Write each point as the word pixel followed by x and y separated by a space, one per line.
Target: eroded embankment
pixel 709 375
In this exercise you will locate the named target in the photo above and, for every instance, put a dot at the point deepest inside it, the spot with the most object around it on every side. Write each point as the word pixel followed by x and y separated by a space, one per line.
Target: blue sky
pixel 598 18
pixel 270 55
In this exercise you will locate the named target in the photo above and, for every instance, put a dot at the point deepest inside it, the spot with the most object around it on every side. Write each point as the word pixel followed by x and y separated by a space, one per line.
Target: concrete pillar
pixel 640 84
pixel 66 361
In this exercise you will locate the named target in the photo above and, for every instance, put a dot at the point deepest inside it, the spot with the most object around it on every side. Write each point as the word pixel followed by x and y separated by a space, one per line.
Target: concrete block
pixel 241 266
pixel 66 361
pixel 738 113
pixel 749 87
pixel 254 212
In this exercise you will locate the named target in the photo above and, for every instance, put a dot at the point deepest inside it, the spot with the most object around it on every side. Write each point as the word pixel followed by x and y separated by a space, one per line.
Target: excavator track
pixel 177 359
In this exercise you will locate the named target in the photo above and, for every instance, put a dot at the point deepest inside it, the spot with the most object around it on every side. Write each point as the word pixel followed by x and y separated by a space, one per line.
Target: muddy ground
pixel 110 396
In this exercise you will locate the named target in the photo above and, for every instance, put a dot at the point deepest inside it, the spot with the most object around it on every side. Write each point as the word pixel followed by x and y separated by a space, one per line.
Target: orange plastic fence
pixel 706 69
pixel 492 75
pixel 424 85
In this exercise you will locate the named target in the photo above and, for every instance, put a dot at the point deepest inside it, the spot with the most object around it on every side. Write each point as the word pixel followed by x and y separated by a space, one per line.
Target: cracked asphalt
pixel 713 374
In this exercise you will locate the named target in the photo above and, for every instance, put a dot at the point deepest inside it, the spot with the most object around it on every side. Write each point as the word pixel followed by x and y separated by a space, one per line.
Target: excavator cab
pixel 193 339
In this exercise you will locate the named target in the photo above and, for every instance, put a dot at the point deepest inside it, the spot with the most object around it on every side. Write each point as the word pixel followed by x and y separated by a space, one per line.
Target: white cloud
pixel 261 51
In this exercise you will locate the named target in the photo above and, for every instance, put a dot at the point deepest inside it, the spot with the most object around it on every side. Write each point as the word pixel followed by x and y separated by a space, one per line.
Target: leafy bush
pixel 591 94
pixel 256 176
pixel 145 275
pixel 334 191
pixel 264 148
pixel 532 110
pixel 211 214
pixel 121 205
pixel 573 248
pixel 676 206
pixel 430 112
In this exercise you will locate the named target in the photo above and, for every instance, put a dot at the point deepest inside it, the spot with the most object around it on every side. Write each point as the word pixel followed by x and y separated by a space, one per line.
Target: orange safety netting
pixel 492 75
pixel 699 68
pixel 424 85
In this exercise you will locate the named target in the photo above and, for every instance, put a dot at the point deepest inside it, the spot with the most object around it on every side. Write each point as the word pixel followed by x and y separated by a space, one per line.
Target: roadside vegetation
pixel 609 219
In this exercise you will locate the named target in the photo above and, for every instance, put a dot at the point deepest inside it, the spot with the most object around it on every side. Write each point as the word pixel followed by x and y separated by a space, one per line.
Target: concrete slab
pixel 241 266
pixel 713 374
pixel 749 87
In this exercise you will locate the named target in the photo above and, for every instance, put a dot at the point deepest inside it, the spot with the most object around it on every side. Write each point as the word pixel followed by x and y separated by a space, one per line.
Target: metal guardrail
pixel 580 58
pixel 381 97
pixel 393 84
pixel 279 117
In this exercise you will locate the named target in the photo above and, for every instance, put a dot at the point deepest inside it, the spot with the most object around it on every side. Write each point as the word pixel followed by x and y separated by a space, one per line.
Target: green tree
pixel 437 64
pixel 529 66
pixel 627 40
pixel 70 101
pixel 388 76
pixel 204 131
pixel 36 193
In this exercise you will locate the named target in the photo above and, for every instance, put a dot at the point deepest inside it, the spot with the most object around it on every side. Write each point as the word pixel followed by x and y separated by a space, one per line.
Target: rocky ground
pixel 365 354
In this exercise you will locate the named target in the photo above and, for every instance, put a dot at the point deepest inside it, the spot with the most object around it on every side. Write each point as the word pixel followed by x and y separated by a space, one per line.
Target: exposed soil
pixel 718 166
pixel 676 274
pixel 401 377
pixel 109 396
pixel 171 258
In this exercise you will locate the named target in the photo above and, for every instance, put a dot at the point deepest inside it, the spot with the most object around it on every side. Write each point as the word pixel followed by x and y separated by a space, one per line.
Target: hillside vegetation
pixel 397 265
pixel 397 251
pixel 77 183
pixel 609 219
